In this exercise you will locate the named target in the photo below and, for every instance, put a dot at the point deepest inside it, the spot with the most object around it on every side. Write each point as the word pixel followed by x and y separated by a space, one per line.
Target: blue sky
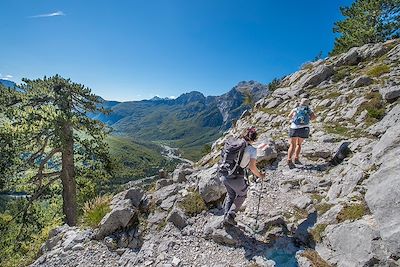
pixel 130 50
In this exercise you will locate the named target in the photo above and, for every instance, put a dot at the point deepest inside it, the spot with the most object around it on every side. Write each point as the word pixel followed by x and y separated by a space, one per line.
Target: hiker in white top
pixel 299 129
pixel 234 177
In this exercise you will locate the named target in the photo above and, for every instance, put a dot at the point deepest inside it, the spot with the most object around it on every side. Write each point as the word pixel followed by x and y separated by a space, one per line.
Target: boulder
pixel 168 202
pixel 383 199
pixel 136 195
pixel 316 150
pixel 163 182
pixel 302 202
pixel 390 92
pixel 121 216
pixel 274 103
pixel 321 73
pixel 266 153
pixel 351 244
pixel 210 186
pixel 388 141
pixel 179 174
pixel 351 57
pixel 177 217
pixel 350 176
pixel 392 118
pixel 362 81
pixel 160 195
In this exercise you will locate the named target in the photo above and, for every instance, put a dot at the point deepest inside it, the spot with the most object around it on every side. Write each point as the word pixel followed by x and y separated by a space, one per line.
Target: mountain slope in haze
pixel 188 122
pixel 8 83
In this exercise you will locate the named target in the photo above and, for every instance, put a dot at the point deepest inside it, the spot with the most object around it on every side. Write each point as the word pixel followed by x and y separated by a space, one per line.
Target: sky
pixel 130 50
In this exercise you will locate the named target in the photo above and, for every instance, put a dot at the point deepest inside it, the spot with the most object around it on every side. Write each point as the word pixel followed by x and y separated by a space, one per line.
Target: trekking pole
pixel 258 206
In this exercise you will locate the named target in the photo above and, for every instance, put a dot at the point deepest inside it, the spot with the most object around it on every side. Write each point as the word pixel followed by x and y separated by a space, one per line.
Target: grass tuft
pixel 193 204
pixel 352 212
pixel 95 209
pixel 378 70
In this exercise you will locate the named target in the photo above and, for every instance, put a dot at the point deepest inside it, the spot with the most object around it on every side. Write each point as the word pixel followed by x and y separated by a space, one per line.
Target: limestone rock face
pixel 351 243
pixel 392 118
pixel 383 197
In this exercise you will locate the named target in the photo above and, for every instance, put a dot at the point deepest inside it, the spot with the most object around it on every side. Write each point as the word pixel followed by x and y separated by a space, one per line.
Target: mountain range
pixel 188 122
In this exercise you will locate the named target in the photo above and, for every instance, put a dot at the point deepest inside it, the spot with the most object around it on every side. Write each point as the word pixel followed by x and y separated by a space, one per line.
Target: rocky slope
pixel 316 214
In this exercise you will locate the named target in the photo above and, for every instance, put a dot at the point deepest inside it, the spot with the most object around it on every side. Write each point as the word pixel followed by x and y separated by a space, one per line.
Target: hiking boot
pixel 297 161
pixel 290 164
pixel 229 220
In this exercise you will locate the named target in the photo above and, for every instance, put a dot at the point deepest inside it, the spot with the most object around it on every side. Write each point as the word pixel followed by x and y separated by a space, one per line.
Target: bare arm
pixel 253 168
pixel 313 116
pixel 291 114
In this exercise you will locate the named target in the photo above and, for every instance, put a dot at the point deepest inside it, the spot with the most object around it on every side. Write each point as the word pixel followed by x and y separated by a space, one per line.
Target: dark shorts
pixel 301 132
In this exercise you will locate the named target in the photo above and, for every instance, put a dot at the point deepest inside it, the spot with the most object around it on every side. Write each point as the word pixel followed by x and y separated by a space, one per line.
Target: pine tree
pixel 367 21
pixel 51 138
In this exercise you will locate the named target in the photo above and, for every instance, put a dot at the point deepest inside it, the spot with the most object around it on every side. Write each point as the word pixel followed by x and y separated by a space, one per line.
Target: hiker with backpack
pixel 299 129
pixel 237 155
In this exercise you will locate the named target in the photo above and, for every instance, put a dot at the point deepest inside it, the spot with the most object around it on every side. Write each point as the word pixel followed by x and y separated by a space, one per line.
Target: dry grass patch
pixel 315 258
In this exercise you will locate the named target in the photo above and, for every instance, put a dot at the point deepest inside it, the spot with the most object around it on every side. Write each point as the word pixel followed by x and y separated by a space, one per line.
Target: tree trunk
pixel 68 175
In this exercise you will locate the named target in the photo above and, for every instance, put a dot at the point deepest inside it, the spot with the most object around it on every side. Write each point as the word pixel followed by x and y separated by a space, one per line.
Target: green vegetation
pixel 378 70
pixel 332 95
pixel 52 152
pixel 343 72
pixel 300 214
pixel 374 106
pixel 317 197
pixel 94 210
pixel 335 128
pixel 323 207
pixel 134 160
pixel 317 231
pixel 193 204
pixel 352 212
pixel 20 241
pixel 315 258
pixel 206 149
pixel 274 84
pixel 367 21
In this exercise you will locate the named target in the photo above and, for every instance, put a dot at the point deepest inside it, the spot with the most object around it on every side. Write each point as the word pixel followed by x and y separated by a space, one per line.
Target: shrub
pixel 193 203
pixel 339 75
pixel 95 209
pixel 374 106
pixel 352 212
pixel 274 84
pixel 315 258
pixel 317 231
pixel 378 70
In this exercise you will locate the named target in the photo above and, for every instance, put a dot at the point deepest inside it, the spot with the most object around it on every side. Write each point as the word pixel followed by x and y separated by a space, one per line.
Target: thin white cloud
pixel 6 77
pixel 54 14
pixel 172 97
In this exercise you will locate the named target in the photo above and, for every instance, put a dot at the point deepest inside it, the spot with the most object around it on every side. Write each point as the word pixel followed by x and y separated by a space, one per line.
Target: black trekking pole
pixel 258 206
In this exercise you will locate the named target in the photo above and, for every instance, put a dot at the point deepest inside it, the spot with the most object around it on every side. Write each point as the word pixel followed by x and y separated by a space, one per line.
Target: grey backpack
pixel 231 156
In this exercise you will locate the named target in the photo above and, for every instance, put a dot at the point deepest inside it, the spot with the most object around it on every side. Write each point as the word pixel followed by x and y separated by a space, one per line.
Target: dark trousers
pixel 236 193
